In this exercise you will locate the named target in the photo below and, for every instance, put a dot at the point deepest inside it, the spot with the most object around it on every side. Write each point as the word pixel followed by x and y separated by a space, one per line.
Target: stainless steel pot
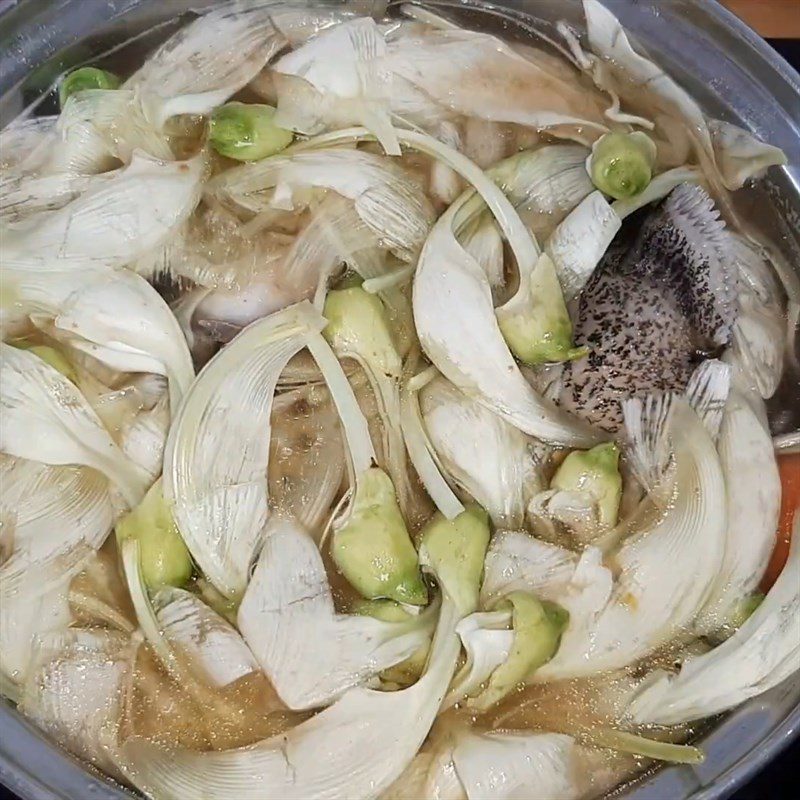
pixel 732 72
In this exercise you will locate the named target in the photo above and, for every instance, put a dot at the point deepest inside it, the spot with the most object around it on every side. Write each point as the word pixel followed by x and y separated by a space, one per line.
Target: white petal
pixel 430 775
pixel 98 128
pixel 512 766
pixel 519 561
pixel 388 201
pixel 45 418
pixel 478 75
pixel 609 41
pixel 111 224
pixel 458 330
pixel 24 142
pixel 580 241
pixel 494 464
pixel 577 510
pixel 760 655
pixel 75 689
pixel 487 640
pixel 59 514
pixel 311 654
pixel 753 504
pixel 759 345
pixel 26 615
pixel 212 644
pixel 144 439
pixel 208 61
pixel 215 465
pixel 666 568
pixel 423 455
pixel 344 67
pixel 24 194
pixel 355 748
pixel 740 155
pixel 118 318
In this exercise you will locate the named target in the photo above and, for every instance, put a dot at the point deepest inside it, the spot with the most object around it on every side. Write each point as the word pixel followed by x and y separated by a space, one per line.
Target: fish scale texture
pixel 663 297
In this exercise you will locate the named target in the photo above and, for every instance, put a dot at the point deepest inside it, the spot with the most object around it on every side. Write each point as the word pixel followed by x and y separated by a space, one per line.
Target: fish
pixel 662 300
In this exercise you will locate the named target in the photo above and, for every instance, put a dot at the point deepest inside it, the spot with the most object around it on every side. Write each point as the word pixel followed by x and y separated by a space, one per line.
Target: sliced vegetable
pixel 625 742
pixel 630 76
pixel 654 595
pixel 50 355
pixel 212 645
pixel 53 518
pixel 487 639
pixel 505 765
pixel 206 62
pixel 339 75
pixel 760 655
pixel 76 690
pixel 753 499
pixel 495 464
pixel 459 332
pixel 386 199
pixel 437 72
pixel 215 463
pixel 578 244
pixel 789 470
pixel 112 224
pixel 26 616
pixel 421 450
pixel 358 328
pixel 120 319
pixel 45 418
pixel 518 561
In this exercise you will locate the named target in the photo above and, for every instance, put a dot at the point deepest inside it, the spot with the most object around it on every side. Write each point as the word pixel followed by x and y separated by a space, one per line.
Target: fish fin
pixel 707 393
pixel 647 421
pixel 707 272
pixel 646 427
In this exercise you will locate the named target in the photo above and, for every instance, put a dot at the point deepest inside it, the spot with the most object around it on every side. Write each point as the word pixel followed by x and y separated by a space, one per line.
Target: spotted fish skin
pixel 662 299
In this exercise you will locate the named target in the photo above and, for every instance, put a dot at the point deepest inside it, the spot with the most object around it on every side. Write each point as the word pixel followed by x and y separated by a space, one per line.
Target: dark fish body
pixel 663 299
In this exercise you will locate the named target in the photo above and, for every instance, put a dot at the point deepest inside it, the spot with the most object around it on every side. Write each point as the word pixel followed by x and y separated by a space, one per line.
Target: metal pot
pixel 734 75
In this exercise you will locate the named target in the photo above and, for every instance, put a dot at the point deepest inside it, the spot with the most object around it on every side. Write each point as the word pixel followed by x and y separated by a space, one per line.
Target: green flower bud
pixel 536 323
pixel 357 324
pixel 163 556
pixel 454 551
pixel 596 472
pixel 247 132
pixel 538 626
pixel 84 78
pixel 621 164
pixel 373 549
